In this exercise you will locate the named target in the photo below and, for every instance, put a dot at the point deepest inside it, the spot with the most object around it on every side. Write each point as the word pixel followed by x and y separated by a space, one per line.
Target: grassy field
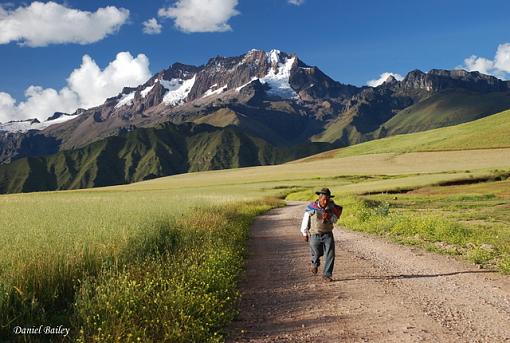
pixel 159 260
pixel 92 260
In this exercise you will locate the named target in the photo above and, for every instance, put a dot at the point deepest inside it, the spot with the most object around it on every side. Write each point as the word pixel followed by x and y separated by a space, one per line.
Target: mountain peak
pixel 179 71
pixel 274 55
pixel 57 115
pixel 415 73
pixel 390 80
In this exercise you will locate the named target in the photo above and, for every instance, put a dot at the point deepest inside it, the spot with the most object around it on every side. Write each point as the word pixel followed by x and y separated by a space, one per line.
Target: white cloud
pixel 200 15
pixel 383 77
pixel 502 60
pixel 152 27
pixel 499 66
pixel 41 24
pixel 296 2
pixel 42 102
pixel 481 64
pixel 94 86
pixel 87 86
pixel 6 106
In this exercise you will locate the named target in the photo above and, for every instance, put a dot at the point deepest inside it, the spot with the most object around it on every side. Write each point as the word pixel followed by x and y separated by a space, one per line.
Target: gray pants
pixel 323 244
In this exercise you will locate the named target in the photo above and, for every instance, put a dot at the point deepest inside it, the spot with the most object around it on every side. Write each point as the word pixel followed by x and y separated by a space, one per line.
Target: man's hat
pixel 325 191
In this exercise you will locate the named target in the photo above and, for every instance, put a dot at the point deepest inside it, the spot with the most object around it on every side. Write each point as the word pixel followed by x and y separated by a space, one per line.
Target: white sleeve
pixel 304 224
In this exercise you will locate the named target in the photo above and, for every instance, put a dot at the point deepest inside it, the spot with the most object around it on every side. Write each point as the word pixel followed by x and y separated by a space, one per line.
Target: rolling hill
pixel 487 133
pixel 445 109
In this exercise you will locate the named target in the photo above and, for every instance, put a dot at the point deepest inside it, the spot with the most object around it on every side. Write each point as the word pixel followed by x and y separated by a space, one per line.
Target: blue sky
pixel 351 41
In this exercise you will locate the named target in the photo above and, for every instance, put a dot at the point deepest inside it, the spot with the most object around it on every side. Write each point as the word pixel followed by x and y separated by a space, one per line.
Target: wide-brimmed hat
pixel 325 191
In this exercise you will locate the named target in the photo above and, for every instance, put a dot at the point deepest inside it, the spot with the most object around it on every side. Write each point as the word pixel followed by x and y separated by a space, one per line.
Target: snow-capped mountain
pixel 282 75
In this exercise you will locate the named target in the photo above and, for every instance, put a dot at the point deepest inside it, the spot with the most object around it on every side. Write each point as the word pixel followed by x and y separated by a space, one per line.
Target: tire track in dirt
pixel 382 292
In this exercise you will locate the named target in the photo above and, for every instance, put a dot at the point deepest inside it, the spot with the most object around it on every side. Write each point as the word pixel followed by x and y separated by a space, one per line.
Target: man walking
pixel 317 229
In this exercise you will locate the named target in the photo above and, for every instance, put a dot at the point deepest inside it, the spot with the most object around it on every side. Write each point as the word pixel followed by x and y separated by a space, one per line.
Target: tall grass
pixel 76 249
pixel 182 294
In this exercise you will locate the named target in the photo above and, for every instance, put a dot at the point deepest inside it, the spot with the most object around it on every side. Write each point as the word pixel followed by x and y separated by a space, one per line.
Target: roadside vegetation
pixel 468 218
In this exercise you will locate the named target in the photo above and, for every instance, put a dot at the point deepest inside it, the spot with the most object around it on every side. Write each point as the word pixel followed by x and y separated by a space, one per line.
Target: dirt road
pixel 382 292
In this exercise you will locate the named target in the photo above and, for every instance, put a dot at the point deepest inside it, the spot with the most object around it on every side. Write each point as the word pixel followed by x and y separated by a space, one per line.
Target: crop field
pixel 63 253
pixel 160 259
pixel 251 180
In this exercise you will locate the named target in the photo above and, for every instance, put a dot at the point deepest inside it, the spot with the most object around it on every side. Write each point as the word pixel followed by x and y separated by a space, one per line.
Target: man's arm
pixel 304 224
pixel 337 212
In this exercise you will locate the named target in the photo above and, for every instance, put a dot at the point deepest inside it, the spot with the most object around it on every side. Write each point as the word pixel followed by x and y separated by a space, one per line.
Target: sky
pixel 61 55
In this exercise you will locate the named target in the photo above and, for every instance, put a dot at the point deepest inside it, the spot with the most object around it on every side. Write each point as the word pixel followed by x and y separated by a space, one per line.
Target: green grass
pixel 486 133
pixel 183 294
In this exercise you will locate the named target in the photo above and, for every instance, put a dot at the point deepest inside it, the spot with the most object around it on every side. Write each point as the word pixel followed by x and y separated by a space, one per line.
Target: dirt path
pixel 382 292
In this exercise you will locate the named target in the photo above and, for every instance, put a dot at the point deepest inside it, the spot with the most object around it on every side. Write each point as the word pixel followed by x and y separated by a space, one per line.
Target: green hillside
pixel 147 153
pixel 341 131
pixel 445 109
pixel 486 133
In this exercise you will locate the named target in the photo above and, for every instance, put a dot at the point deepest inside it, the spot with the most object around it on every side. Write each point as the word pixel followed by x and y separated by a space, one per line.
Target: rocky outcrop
pixel 438 80
pixel 14 145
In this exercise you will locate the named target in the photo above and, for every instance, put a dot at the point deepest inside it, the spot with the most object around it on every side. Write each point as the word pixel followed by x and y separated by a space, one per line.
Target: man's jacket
pixel 317 220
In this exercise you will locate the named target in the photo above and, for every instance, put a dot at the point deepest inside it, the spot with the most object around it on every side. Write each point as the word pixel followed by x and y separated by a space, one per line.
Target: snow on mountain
pixel 274 56
pixel 126 99
pixel 178 90
pixel 147 89
pixel 33 124
pixel 212 91
pixel 246 84
pixel 278 76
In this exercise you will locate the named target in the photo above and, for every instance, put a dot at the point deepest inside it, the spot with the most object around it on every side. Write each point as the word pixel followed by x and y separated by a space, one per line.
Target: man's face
pixel 323 200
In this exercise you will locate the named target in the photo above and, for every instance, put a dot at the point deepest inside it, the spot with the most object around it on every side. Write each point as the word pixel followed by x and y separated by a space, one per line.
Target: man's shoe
pixel 327 278
pixel 314 270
